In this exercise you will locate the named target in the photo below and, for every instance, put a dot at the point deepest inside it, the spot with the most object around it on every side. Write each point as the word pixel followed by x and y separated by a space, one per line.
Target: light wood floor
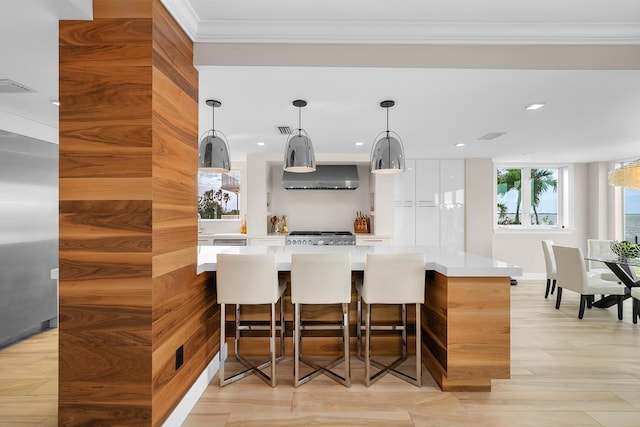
pixel 564 371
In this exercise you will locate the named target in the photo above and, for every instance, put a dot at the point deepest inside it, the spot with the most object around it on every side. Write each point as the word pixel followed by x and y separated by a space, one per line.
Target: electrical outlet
pixel 179 357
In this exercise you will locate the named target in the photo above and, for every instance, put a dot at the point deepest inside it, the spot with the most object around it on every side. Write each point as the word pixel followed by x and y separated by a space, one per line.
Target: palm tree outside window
pixel 529 197
pixel 219 195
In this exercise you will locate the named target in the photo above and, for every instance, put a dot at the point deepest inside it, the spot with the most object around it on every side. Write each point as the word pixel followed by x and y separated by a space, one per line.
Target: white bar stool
pixel 391 279
pixel 250 279
pixel 320 279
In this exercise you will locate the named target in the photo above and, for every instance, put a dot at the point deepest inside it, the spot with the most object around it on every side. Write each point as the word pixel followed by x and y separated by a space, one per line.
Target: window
pixel 219 195
pixel 531 197
pixel 631 214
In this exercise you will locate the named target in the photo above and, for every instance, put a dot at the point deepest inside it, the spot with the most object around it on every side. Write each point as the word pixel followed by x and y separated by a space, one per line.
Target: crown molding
pixel 400 32
pixel 184 14
pixel 416 32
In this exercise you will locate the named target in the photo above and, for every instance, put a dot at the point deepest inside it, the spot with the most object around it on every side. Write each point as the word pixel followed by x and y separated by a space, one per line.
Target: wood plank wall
pixel 129 295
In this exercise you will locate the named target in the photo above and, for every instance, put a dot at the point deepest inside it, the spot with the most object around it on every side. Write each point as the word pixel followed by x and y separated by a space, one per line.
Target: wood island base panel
pixel 466 331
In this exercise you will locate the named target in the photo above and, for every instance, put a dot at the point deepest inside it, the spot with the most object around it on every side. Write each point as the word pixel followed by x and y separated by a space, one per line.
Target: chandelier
pixel 627 176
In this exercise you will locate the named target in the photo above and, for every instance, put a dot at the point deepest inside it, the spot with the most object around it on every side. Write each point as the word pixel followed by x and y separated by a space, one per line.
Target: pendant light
pixel 298 153
pixel 387 155
pixel 213 154
pixel 626 176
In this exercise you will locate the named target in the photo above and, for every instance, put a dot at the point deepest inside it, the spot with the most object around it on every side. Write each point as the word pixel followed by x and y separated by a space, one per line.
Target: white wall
pixel 326 210
pixel 479 207
pixel 598 201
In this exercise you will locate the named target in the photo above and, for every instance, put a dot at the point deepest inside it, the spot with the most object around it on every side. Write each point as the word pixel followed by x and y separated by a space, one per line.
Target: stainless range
pixel 320 238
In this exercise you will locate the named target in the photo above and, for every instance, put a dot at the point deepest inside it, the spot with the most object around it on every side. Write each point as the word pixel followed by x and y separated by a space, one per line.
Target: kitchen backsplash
pixel 319 209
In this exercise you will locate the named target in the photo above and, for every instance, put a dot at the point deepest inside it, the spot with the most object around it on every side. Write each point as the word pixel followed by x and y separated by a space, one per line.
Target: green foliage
pixel 542 180
pixel 510 179
pixel 208 207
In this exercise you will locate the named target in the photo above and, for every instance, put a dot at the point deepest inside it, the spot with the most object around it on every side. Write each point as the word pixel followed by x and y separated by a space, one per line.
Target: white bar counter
pixel 447 263
pixel 466 315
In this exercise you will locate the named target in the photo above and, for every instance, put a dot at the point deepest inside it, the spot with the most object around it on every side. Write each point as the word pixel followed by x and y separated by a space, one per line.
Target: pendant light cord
pixel 387 121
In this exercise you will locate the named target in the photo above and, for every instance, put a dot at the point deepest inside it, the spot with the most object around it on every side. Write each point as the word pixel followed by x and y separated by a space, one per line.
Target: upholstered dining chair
pixel 320 279
pixel 550 265
pixel 572 275
pixel 600 249
pixel 391 279
pixel 635 293
pixel 250 279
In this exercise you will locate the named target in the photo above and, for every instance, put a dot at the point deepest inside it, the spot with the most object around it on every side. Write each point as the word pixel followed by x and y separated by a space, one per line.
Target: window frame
pixel 564 190
pixel 239 168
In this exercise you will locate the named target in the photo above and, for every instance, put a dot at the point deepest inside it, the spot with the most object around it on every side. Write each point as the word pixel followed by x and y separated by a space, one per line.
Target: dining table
pixel 624 269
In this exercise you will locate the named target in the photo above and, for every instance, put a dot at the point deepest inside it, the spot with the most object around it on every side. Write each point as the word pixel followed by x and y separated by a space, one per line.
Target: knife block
pixel 362 225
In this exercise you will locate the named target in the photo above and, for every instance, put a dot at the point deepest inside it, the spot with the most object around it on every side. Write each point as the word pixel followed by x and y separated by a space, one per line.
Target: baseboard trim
pixel 191 397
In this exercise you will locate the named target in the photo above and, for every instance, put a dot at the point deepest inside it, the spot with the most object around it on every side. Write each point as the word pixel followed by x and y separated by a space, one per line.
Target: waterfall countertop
pixel 448 263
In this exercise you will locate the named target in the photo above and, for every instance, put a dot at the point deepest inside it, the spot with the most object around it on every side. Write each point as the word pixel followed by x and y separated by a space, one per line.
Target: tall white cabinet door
pixel 427 181
pixel 405 184
pixel 427 224
pixel 404 221
pixel 452 204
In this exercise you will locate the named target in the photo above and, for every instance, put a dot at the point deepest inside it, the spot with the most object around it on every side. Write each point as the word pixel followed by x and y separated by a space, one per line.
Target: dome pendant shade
pixel 213 154
pixel 387 154
pixel 213 151
pixel 299 156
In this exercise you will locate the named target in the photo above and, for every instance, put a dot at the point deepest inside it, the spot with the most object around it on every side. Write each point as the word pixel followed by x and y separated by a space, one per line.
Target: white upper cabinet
pixel 452 204
pixel 404 230
pixel 427 181
pixel 429 204
pixel 405 184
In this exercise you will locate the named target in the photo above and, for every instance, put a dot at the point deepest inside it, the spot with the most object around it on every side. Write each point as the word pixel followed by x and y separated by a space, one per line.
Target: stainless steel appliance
pixel 320 238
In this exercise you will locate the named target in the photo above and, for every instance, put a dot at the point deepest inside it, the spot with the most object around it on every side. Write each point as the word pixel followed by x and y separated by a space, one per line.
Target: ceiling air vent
pixel 9 86
pixel 491 135
pixel 284 130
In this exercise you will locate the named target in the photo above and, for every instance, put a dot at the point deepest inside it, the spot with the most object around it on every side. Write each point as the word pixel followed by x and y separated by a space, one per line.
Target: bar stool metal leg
pixel 345 337
pixel 298 380
pixel 249 368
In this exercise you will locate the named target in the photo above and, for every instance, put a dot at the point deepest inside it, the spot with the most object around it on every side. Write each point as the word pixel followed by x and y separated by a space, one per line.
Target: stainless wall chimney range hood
pixel 325 177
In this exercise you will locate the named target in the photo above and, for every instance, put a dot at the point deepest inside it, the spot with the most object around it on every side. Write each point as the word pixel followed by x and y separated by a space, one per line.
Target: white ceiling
pixel 590 114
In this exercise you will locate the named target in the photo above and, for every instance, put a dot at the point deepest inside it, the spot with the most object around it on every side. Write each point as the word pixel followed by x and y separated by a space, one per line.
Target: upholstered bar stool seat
pixel 320 279
pixel 391 279
pixel 635 293
pixel 250 279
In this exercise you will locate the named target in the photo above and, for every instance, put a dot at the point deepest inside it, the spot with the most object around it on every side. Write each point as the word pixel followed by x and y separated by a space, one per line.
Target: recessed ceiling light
pixel 527 154
pixel 535 106
pixel 359 143
pixel 55 102
pixel 260 143
pixel 460 144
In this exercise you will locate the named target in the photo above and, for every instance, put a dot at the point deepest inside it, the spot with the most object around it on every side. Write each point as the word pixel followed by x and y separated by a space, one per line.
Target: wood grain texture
pixel 122 8
pixel 185 312
pixel 467 331
pixel 129 293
